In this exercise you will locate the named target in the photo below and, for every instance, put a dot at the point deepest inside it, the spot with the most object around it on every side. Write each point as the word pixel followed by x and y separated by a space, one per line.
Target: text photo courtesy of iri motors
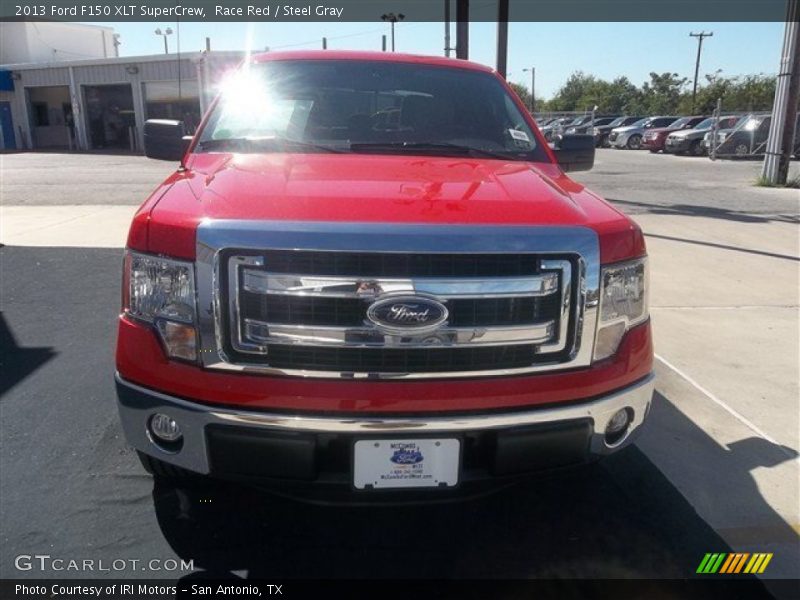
pixel 463 298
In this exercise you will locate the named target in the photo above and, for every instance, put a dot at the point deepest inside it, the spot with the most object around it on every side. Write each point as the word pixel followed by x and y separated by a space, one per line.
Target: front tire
pixel 695 149
pixel 634 142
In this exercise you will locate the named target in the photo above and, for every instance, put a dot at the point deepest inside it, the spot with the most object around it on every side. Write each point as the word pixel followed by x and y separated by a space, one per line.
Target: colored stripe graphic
pixel 722 562
pixel 764 564
pixel 727 564
pixel 703 563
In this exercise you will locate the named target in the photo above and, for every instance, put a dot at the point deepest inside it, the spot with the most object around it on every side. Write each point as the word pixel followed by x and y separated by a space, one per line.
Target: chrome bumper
pixel 137 404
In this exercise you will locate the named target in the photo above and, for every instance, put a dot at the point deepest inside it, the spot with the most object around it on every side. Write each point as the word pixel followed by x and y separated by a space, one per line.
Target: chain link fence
pixel 748 137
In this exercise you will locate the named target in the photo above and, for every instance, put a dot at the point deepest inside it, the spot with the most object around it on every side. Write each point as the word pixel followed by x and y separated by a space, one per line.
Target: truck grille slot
pixel 432 360
pixel 399 264
pixel 350 312
pixel 299 312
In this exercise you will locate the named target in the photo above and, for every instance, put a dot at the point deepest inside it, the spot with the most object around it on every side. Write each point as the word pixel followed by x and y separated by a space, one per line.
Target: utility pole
pixel 462 29
pixel 324 43
pixel 502 37
pixel 447 28
pixel 392 18
pixel 699 37
pixel 383 43
pixel 533 86
pixel 784 109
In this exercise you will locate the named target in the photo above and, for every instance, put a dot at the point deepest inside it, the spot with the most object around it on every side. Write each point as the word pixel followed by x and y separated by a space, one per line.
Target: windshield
pixel 618 121
pixel 640 122
pixel 368 107
pixel 680 123
pixel 706 123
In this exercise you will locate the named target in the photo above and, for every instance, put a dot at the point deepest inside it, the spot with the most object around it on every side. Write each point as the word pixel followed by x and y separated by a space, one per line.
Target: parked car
pixel 654 139
pixel 324 298
pixel 630 137
pixel 601 132
pixel 584 121
pixel 691 140
pixel 555 127
pixel 587 126
pixel 749 136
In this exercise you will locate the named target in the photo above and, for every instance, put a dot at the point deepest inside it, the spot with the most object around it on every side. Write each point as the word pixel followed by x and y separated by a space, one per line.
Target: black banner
pixel 197 585
pixel 413 10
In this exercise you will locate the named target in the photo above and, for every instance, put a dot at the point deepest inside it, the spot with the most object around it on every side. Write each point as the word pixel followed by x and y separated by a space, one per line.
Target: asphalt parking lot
pixel 715 471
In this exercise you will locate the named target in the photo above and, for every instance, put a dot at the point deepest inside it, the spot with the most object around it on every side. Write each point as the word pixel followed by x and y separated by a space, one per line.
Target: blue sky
pixel 606 50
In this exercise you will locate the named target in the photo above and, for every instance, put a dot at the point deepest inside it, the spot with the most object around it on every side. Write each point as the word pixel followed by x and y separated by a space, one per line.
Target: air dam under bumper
pixel 306 448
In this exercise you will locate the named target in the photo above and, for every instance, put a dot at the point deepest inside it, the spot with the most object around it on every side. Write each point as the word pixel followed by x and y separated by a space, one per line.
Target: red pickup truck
pixel 371 274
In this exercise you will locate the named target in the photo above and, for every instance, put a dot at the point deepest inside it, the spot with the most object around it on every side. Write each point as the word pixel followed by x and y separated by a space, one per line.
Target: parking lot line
pixel 744 420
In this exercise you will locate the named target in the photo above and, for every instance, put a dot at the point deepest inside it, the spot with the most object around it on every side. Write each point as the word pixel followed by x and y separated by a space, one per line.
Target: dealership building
pixel 59 102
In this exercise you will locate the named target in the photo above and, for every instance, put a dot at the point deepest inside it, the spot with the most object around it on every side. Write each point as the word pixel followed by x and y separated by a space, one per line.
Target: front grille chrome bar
pixel 231 268
pixel 263 282
pixel 362 337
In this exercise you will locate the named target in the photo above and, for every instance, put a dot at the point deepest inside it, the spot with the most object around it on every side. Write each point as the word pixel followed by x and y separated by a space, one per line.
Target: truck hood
pixel 391 188
pixel 372 188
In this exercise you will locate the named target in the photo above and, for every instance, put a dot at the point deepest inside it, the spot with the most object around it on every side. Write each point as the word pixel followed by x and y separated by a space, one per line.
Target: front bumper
pixel 277 446
pixel 676 145
pixel 653 143
pixel 620 141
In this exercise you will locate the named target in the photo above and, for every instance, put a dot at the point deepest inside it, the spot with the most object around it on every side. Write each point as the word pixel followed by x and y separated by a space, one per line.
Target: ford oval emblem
pixel 407 314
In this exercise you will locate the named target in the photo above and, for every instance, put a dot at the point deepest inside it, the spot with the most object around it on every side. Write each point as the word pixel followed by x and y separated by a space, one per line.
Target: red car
pixel 654 139
pixel 370 273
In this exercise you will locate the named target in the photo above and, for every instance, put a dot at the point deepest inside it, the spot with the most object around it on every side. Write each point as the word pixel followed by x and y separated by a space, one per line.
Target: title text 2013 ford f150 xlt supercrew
pixel 371 273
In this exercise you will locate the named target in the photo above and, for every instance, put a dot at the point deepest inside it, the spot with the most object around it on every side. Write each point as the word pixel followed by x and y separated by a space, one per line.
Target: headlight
pixel 596 131
pixel 161 291
pixel 623 304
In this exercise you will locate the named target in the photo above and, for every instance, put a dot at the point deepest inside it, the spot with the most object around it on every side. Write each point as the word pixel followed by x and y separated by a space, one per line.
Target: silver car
pixel 630 137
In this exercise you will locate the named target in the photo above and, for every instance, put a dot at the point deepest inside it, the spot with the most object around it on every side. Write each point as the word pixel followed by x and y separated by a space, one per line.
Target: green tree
pixel 522 92
pixel 662 94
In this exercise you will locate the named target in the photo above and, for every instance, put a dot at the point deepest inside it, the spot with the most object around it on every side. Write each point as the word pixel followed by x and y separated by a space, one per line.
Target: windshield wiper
pixel 390 146
pixel 250 144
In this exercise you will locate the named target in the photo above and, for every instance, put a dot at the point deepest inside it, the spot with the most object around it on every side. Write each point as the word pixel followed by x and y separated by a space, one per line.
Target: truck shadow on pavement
pixel 695 210
pixel 618 519
pixel 17 362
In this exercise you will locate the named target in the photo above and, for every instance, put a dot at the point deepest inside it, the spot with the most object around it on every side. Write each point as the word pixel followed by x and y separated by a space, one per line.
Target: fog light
pixel 617 426
pixel 165 428
pixel 180 340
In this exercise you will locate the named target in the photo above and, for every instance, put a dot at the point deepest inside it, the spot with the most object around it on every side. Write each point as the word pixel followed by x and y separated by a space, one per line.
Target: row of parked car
pixel 737 135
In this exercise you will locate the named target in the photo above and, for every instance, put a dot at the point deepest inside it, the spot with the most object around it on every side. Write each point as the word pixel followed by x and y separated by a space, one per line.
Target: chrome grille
pixel 304 312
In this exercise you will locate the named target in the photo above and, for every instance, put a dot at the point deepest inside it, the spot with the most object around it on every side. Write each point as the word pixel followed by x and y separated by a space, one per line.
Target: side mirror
pixel 165 139
pixel 575 152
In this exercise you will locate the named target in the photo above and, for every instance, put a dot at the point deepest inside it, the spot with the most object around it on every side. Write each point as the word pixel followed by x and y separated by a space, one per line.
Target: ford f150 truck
pixel 371 273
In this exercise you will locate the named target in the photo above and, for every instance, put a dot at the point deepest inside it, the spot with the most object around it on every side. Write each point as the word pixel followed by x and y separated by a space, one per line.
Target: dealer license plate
pixel 406 463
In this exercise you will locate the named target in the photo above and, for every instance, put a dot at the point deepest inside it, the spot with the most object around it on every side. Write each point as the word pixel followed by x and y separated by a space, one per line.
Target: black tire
pixel 165 471
pixel 653 151
pixel 741 149
pixel 634 142
pixel 695 149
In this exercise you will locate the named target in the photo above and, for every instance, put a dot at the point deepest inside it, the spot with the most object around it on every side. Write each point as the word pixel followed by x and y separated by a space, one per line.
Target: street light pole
pixel 699 37
pixel 164 34
pixel 392 18
pixel 533 86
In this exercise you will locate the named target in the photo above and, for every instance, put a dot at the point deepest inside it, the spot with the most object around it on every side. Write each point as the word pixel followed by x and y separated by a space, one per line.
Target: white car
pixel 630 137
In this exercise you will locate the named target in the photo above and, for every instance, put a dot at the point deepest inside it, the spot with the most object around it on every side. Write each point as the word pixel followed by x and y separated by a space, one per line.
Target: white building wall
pixel 126 70
pixel 47 42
